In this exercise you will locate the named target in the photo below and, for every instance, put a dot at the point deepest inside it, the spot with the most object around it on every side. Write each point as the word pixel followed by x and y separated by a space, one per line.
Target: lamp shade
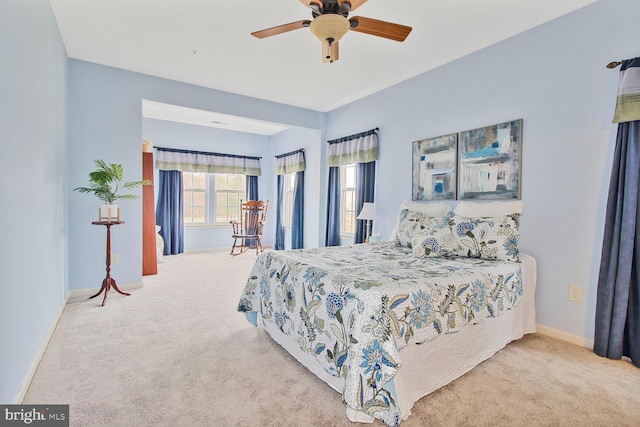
pixel 329 26
pixel 368 211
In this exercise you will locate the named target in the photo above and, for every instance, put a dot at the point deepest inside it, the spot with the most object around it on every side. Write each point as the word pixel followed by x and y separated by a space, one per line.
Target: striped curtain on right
pixel 617 326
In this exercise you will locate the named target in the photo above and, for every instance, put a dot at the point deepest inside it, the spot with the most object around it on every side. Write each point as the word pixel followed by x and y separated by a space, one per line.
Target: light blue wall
pixel 33 91
pixel 105 121
pixel 554 77
pixel 309 140
pixel 178 135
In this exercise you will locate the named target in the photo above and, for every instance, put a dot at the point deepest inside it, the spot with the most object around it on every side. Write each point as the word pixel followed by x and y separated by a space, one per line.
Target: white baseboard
pixel 36 360
pixel 87 292
pixel 564 336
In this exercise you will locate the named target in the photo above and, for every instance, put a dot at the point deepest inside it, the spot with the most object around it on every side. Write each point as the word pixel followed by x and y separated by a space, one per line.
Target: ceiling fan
pixel 330 22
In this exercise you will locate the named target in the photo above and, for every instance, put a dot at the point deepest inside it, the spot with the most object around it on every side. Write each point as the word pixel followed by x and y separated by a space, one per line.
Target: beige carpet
pixel 176 353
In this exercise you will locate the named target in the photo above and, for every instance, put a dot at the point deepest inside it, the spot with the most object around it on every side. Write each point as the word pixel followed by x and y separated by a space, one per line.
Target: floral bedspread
pixel 355 307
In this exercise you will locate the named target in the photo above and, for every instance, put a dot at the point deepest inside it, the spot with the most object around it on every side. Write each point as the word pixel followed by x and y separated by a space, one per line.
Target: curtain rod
pixel 301 150
pixel 357 135
pixel 178 150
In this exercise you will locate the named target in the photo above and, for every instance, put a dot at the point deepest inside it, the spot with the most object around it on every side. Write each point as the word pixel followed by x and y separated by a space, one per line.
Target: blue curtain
pixel 297 226
pixel 252 194
pixel 617 325
pixel 169 211
pixel 332 237
pixel 279 242
pixel 252 187
pixel 365 188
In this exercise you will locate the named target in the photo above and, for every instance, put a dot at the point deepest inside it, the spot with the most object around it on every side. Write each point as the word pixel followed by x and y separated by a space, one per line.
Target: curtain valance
pixel 628 102
pixel 290 162
pixel 201 161
pixel 358 148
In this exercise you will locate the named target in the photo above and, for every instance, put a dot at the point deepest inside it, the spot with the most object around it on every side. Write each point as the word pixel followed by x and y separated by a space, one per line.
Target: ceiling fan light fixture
pixel 330 26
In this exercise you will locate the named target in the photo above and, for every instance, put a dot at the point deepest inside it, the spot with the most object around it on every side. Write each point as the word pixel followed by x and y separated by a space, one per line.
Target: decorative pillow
pixel 491 238
pixel 431 209
pixel 411 223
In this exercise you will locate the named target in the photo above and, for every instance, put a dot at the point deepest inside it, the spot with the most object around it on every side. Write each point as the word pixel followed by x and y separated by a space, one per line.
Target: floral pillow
pixel 491 238
pixel 411 223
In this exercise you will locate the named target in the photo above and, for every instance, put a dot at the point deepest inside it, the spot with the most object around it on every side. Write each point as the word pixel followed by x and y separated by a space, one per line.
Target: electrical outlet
pixel 575 293
pixel 115 257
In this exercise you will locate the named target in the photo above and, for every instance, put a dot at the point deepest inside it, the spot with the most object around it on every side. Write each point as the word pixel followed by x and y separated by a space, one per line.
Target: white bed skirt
pixel 429 366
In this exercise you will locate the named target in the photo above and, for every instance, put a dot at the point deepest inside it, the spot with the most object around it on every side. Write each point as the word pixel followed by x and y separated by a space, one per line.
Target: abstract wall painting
pixel 489 165
pixel 434 168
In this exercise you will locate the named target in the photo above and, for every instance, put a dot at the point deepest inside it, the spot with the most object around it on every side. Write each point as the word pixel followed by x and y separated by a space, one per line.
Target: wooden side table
pixel 108 281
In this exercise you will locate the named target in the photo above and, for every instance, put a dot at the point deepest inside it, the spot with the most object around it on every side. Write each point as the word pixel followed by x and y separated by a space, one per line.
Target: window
pixel 289 183
pixel 348 200
pixel 212 199
pixel 195 197
pixel 229 189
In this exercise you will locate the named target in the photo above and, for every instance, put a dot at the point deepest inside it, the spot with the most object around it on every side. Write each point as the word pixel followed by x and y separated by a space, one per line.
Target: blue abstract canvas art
pixel 490 162
pixel 434 168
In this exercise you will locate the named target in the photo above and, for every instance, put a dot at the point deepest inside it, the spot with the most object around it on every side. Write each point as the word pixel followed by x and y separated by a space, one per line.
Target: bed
pixel 386 324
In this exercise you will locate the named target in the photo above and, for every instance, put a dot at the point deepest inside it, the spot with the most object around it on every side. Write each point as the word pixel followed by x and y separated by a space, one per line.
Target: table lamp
pixel 368 213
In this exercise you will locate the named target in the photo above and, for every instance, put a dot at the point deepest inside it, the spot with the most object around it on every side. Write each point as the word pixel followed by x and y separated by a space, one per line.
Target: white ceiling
pixel 208 42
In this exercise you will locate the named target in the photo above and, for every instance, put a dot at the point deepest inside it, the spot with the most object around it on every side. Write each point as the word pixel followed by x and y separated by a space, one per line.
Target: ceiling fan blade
pixel 379 28
pixel 354 3
pixel 268 32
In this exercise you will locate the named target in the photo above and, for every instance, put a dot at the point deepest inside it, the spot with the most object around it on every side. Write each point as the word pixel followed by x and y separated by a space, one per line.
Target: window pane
pixel 187 214
pixel 350 175
pixel 221 198
pixel 230 188
pixel 228 213
pixel 199 180
pixel 236 182
pixel 348 214
pixel 199 214
pixel 187 179
pixel 233 199
pixel 194 197
pixel 188 198
pixel 222 214
pixel 347 220
pixel 199 198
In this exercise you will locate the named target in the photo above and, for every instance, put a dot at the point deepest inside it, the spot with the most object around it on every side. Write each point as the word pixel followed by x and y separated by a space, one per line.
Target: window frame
pixel 193 190
pixel 343 200
pixel 287 205
pixel 211 206
pixel 242 192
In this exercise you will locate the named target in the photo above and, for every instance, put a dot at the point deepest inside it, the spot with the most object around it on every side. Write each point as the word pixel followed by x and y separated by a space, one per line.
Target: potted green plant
pixel 107 184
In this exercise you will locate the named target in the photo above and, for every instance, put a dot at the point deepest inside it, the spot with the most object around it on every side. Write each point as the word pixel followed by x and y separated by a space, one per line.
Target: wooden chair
pixel 247 233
